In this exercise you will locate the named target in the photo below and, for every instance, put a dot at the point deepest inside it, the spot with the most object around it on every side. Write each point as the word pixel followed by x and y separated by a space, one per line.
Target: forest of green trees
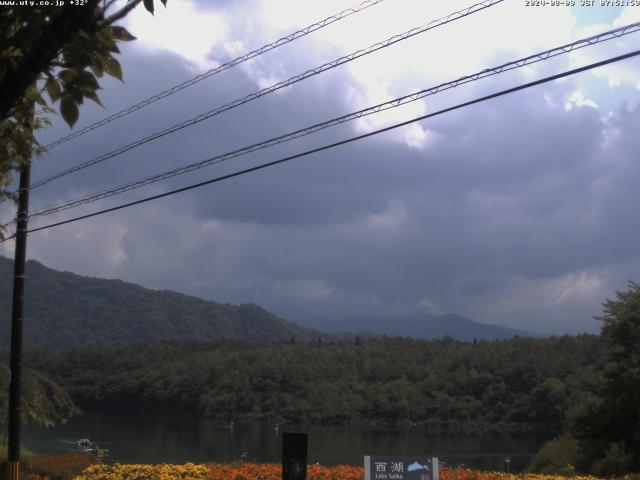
pixel 44 402
pixel 585 387
pixel 519 383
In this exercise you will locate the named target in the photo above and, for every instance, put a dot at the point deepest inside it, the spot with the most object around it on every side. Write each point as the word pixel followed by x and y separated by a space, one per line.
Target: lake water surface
pixel 178 440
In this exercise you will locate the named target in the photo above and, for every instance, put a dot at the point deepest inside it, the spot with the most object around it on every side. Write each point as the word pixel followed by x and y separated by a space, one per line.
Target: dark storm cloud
pixel 484 211
pixel 146 74
pixel 517 202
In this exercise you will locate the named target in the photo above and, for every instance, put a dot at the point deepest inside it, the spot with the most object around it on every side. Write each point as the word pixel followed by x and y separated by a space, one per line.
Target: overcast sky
pixel 520 211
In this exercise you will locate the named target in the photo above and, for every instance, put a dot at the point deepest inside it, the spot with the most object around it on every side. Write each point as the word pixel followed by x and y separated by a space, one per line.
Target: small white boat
pixel 87 446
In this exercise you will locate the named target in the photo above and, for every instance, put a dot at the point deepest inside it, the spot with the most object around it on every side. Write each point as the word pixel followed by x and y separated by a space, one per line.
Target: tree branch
pixel 120 13
pixel 107 4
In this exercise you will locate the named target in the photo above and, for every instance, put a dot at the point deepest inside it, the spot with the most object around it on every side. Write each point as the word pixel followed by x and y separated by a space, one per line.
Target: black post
pixel 13 464
pixel 294 456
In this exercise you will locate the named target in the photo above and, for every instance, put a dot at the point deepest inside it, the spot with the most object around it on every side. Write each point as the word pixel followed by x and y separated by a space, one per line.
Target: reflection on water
pixel 178 440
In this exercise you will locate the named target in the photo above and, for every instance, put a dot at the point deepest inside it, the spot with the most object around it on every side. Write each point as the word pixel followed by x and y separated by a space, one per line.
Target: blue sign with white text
pixel 400 468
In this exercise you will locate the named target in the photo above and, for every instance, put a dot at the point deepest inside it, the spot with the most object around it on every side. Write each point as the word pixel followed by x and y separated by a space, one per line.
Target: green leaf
pixel 31 93
pixel 112 67
pixel 122 34
pixel 53 89
pixel 96 66
pixel 40 101
pixel 93 96
pixel 106 40
pixel 72 90
pixel 148 4
pixel 68 75
pixel 87 82
pixel 69 110
pixel 77 53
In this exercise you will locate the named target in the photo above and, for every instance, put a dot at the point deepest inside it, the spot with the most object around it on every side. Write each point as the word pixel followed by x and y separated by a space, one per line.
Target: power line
pixel 531 59
pixel 232 63
pixel 297 78
pixel 342 142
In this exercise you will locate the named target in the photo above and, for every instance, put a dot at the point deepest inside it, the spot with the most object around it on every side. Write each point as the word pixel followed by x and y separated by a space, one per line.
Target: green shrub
pixel 556 457
pixel 616 461
pixel 59 467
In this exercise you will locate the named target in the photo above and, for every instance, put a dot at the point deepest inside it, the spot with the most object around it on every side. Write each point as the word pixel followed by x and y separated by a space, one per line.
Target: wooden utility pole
pixel 15 387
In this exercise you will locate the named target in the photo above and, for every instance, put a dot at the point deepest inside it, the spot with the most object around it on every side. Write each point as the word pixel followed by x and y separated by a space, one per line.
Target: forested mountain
pixel 63 309
pixel 520 383
pixel 68 310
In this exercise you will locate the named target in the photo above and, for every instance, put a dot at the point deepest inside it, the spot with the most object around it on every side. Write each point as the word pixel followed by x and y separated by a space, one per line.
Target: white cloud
pixel 459 48
pixel 617 74
pixel 416 137
pixel 179 29
pixel 389 222
pixel 303 289
pixel 429 306
pixel 580 286
pixel 629 14
pixel 577 99
pixel 86 248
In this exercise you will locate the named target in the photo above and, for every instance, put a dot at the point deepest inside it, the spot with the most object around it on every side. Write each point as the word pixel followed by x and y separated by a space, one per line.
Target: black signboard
pixel 294 456
pixel 400 468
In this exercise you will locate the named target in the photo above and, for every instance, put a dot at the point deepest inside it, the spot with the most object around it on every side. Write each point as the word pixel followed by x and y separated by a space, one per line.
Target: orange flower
pixel 272 471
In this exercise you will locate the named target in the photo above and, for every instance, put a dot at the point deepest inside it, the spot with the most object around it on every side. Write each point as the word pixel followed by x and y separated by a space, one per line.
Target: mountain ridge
pixel 64 309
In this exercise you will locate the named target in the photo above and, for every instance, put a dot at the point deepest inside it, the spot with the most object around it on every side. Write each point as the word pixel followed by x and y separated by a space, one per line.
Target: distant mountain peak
pixel 423 326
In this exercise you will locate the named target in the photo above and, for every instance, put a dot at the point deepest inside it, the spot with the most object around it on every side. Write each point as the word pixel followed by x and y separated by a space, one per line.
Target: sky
pixel 519 211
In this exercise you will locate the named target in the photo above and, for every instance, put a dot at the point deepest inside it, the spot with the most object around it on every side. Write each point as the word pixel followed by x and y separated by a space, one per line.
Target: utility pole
pixel 13 464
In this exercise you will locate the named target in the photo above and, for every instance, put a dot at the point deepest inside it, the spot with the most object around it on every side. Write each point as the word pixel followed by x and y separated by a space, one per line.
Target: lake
pixel 177 440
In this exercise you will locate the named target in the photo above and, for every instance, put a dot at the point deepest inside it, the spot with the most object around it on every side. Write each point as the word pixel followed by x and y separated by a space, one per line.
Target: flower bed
pixel 270 471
